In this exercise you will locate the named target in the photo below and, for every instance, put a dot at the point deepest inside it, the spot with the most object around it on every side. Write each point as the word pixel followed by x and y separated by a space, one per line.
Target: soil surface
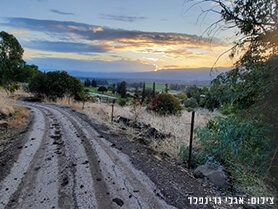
pixel 65 160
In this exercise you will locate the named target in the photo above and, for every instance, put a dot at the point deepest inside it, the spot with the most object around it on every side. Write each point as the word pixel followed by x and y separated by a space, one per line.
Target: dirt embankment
pixel 63 160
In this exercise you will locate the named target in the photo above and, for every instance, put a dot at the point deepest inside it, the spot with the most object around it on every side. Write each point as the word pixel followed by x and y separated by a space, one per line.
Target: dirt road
pixel 65 163
pixel 64 160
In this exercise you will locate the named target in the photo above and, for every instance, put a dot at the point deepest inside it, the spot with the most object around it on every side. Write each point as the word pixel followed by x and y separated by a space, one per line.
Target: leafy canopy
pixel 247 93
pixel 11 62
pixel 57 84
pixel 255 23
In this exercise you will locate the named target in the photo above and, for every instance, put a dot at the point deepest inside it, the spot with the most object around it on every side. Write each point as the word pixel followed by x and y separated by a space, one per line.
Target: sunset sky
pixel 113 36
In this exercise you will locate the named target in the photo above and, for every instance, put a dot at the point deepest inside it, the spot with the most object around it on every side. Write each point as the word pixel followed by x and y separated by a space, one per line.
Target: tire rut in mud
pixel 29 178
pixel 67 164
pixel 113 175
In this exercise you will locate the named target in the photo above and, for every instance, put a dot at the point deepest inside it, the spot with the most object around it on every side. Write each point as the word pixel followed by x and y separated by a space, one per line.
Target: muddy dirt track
pixel 61 161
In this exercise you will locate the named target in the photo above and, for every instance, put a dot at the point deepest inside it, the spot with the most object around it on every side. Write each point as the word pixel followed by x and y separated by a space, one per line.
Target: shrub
pixel 182 97
pixel 202 102
pixel 122 102
pixel 196 157
pixel 190 103
pixel 236 142
pixel 165 104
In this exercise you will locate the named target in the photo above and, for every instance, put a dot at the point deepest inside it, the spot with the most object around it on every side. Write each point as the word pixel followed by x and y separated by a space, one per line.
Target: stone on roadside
pixel 6 111
pixel 4 125
pixel 214 173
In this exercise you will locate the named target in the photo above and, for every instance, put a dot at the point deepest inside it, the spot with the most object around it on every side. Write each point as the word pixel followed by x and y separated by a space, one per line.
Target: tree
pixel 114 88
pixel 11 62
pixel 148 95
pixel 94 83
pixel 57 84
pixel 29 71
pixel 165 104
pixel 166 87
pixel 102 82
pixel 87 83
pixel 256 22
pixel 182 97
pixel 246 93
pixel 143 93
pixel 121 89
pixel 153 91
pixel 136 93
pixel 193 92
pixel 190 103
pixel 38 85
pixel 102 89
pixel 75 89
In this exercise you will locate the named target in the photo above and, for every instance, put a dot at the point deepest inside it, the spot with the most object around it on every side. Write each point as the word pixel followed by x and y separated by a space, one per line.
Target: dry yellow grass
pixel 177 126
pixel 15 116
pixel 6 104
pixel 19 119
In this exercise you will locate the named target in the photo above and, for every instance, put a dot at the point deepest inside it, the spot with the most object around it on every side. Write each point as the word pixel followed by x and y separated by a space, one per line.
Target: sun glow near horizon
pixel 153 51
pixel 101 38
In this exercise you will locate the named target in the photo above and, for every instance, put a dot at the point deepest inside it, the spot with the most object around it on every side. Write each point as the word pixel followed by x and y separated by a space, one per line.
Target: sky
pixel 114 35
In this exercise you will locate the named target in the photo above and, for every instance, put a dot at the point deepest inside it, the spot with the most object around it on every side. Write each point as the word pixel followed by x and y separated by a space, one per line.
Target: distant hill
pixel 180 75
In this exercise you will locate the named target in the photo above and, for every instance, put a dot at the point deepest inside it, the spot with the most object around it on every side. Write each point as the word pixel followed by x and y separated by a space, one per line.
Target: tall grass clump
pixel 14 116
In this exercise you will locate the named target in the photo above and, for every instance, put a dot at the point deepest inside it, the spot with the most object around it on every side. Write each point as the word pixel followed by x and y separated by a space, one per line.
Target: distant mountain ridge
pixel 180 75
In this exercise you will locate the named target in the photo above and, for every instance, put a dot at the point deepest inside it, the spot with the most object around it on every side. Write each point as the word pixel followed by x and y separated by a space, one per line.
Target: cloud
pixel 65 47
pixel 108 44
pixel 171 66
pixel 17 32
pixel 98 33
pixel 97 29
pixel 61 13
pixel 122 18
pixel 50 64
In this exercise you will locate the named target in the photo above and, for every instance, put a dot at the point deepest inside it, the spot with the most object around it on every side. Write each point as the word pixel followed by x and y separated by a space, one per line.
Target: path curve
pixel 65 163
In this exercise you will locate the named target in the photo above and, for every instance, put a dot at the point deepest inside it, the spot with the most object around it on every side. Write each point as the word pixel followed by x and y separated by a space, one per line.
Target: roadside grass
pixel 177 126
pixel 19 118
pixel 6 104
pixel 15 116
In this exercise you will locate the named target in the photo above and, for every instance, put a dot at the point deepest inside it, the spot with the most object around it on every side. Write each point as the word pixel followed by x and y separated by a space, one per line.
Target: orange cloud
pixel 77 28
pixel 97 29
pixel 18 32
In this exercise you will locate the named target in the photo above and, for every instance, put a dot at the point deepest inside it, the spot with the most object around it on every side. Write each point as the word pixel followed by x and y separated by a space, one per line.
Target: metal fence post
pixel 112 114
pixel 191 139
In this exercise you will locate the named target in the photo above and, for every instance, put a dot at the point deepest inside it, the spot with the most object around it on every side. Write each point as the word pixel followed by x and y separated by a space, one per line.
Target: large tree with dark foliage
pixel 11 62
pixel 255 23
pixel 121 89
pixel 247 93
pixel 57 84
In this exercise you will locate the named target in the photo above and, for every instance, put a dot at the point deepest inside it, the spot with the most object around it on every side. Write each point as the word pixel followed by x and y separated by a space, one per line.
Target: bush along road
pixel 62 161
